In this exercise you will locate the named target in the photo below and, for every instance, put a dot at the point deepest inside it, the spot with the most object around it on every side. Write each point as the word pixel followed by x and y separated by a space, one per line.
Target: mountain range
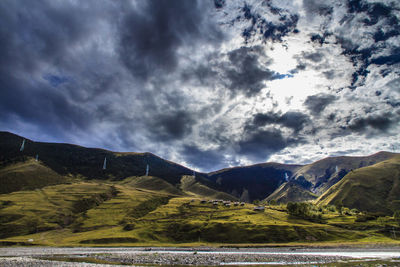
pixel 58 163
pixel 63 194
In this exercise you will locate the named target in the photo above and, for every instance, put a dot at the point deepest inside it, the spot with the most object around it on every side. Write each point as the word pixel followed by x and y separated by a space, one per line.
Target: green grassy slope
pixel 152 184
pixel 290 192
pixel 58 200
pixel 97 214
pixel 27 175
pixel 188 186
pixel 52 207
pixel 375 188
pixel 191 186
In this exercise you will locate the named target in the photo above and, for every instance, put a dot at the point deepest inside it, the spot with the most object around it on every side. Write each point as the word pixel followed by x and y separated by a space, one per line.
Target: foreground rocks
pixel 47 256
pixel 216 259
pixel 32 262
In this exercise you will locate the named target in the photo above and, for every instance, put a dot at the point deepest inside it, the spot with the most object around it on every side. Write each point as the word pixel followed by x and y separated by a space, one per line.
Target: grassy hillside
pixel 27 175
pixel 67 199
pixel 375 188
pixel 91 213
pixel 152 184
pixel 188 186
pixel 321 175
pixel 191 186
pixel 246 183
pixel 53 207
pixel 290 192
pixel 252 182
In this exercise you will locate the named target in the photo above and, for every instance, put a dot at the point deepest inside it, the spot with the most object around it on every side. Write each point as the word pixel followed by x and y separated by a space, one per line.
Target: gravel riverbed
pixel 32 262
pixel 39 256
pixel 217 259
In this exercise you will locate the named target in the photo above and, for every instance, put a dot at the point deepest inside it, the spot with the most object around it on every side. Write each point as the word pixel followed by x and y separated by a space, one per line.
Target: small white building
pixel 259 208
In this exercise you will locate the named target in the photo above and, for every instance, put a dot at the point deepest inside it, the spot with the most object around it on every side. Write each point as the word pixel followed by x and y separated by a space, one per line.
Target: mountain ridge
pixel 248 183
pixel 374 188
pixel 66 198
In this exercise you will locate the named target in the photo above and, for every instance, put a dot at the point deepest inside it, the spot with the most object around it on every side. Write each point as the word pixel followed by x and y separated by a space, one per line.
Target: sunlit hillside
pixel 375 188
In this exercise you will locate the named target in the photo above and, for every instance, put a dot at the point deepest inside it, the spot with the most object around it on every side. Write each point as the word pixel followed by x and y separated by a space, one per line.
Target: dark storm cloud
pixel 203 159
pixel 219 3
pixel 263 135
pixel 260 144
pixel 370 15
pixel 314 57
pixel 314 7
pixel 244 71
pixel 382 122
pixel 204 74
pixel 158 75
pixel 261 27
pixel 59 73
pixel 392 58
pixel 298 68
pixel 378 22
pixel 374 11
pixel 262 119
pixel 33 35
pixel 320 38
pixel 172 125
pixel 292 119
pixel 392 102
pixel 150 36
pixel 42 106
pixel 368 124
pixel 317 103
pixel 247 75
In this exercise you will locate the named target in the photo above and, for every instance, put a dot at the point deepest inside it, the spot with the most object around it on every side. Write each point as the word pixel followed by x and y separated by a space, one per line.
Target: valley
pixel 55 202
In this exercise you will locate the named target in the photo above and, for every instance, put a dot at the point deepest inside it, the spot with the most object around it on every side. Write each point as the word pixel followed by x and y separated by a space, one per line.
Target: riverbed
pixel 201 256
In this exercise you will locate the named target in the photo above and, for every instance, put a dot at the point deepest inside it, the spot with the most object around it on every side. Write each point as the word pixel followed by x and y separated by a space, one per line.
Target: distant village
pixel 227 203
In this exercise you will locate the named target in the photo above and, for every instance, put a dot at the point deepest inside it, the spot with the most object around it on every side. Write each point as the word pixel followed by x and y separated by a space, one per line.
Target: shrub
pixel 346 211
pixel 354 211
pixel 339 207
pixel 303 210
pixel 331 208
pixel 297 209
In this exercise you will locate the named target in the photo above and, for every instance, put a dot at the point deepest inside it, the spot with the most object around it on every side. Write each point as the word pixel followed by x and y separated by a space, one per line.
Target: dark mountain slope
pixel 66 159
pixel 252 182
pixel 321 175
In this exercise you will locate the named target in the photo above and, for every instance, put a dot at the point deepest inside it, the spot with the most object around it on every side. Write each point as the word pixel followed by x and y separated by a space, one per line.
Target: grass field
pixel 375 188
pixel 19 176
pixel 66 198
pixel 115 214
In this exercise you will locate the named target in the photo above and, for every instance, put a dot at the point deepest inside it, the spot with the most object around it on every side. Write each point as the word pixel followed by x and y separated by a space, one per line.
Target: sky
pixel 207 84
